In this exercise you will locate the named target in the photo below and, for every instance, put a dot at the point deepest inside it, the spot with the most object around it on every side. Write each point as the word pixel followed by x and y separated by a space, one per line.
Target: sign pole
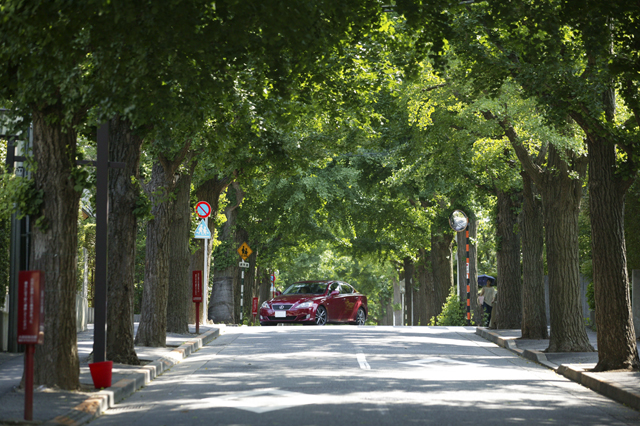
pixel 241 293
pixel 468 283
pixel 203 210
pixel 205 277
pixel 459 222
pixel 244 251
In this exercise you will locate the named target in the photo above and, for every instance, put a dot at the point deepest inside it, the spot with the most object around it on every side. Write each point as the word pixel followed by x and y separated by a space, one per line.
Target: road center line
pixel 363 362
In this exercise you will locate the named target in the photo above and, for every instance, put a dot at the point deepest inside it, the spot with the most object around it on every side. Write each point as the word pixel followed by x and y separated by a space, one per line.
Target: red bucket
pixel 101 373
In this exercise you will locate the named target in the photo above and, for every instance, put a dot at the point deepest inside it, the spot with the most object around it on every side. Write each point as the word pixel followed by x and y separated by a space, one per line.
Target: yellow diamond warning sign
pixel 244 251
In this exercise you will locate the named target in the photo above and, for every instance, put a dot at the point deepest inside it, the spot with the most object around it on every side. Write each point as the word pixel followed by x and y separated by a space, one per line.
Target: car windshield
pixel 306 288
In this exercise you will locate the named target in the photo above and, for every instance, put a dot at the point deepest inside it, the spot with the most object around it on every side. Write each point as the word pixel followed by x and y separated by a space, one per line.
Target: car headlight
pixel 265 305
pixel 304 305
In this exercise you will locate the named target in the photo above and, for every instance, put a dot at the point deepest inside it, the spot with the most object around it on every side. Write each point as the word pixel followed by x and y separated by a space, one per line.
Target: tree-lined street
pixel 362 375
pixel 332 140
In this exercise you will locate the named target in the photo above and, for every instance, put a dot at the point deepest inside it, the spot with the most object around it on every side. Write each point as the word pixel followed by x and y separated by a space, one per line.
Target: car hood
pixel 294 298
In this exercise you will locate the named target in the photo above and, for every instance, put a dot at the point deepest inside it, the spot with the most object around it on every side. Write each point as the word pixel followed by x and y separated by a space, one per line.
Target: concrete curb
pixel 101 401
pixel 589 380
pixel 601 385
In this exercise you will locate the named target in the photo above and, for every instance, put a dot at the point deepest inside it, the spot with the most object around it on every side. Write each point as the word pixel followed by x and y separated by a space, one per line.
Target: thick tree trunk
pixel 264 291
pixel 442 269
pixel 561 208
pixel 561 195
pixel 534 319
pixel 617 347
pixel 54 251
pixel 423 274
pixel 124 146
pixel 179 301
pixel 221 303
pixel 509 300
pixel 408 290
pixel 208 191
pixel 153 316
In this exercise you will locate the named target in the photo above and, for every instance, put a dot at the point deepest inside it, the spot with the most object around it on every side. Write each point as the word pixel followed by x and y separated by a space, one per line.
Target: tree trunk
pixel 442 269
pixel 408 290
pixel 221 303
pixel 561 195
pixel 180 287
pixel 616 336
pixel 509 299
pixel 54 250
pixel 124 146
pixel 424 279
pixel 208 191
pixel 250 284
pixel 534 318
pixel 153 316
pixel 264 286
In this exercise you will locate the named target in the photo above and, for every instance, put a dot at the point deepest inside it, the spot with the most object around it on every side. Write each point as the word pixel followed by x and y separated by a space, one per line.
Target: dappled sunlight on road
pixel 273 375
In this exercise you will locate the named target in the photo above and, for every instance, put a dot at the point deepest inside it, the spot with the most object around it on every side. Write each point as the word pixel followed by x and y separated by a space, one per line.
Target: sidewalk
pixel 621 386
pixel 74 408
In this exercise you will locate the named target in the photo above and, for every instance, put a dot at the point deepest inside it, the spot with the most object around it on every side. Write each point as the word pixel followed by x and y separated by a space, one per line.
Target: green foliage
pixel 224 255
pixel 453 312
pixel 591 299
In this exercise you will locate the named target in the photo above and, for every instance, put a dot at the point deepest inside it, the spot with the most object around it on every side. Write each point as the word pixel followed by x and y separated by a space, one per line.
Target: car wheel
pixel 361 317
pixel 321 315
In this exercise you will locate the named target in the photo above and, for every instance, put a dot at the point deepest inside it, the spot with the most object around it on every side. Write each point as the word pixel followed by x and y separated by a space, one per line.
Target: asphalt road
pixel 347 375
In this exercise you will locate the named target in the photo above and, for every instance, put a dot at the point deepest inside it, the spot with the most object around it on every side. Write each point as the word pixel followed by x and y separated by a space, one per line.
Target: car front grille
pixel 281 306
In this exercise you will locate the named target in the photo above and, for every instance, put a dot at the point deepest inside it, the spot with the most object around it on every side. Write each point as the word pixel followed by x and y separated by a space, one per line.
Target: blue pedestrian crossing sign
pixel 202 231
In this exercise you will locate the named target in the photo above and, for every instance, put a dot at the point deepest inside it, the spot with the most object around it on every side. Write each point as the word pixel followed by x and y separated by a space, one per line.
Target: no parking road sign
pixel 203 209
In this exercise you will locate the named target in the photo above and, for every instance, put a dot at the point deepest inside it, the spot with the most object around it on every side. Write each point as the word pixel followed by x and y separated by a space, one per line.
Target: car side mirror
pixel 334 292
pixel 278 293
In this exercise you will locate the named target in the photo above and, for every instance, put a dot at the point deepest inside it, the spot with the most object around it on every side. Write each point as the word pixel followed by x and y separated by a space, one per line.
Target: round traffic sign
pixel 203 209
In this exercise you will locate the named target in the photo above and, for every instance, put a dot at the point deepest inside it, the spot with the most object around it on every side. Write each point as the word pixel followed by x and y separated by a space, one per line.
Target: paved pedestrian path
pixel 58 407
pixel 621 386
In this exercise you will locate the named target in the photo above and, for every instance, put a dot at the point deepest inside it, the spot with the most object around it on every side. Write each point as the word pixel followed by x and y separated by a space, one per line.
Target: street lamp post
pixel 460 222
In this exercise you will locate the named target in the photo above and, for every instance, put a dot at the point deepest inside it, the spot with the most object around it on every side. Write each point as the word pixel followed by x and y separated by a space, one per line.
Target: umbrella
pixel 482 280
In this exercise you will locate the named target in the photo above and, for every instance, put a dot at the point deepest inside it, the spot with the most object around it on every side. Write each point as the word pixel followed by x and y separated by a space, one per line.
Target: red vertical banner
pixel 197 286
pixel 30 307
pixel 254 306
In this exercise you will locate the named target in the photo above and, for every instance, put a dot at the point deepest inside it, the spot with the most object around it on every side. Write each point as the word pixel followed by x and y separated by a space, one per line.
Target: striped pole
pixel 468 283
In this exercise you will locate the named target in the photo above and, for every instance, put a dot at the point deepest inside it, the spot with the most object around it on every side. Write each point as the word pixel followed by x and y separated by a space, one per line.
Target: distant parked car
pixel 316 302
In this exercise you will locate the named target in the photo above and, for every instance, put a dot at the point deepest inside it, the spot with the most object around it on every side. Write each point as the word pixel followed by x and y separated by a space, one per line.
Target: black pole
pixel 102 220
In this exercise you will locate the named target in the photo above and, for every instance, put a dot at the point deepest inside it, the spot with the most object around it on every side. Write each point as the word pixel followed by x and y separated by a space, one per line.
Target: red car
pixel 316 302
